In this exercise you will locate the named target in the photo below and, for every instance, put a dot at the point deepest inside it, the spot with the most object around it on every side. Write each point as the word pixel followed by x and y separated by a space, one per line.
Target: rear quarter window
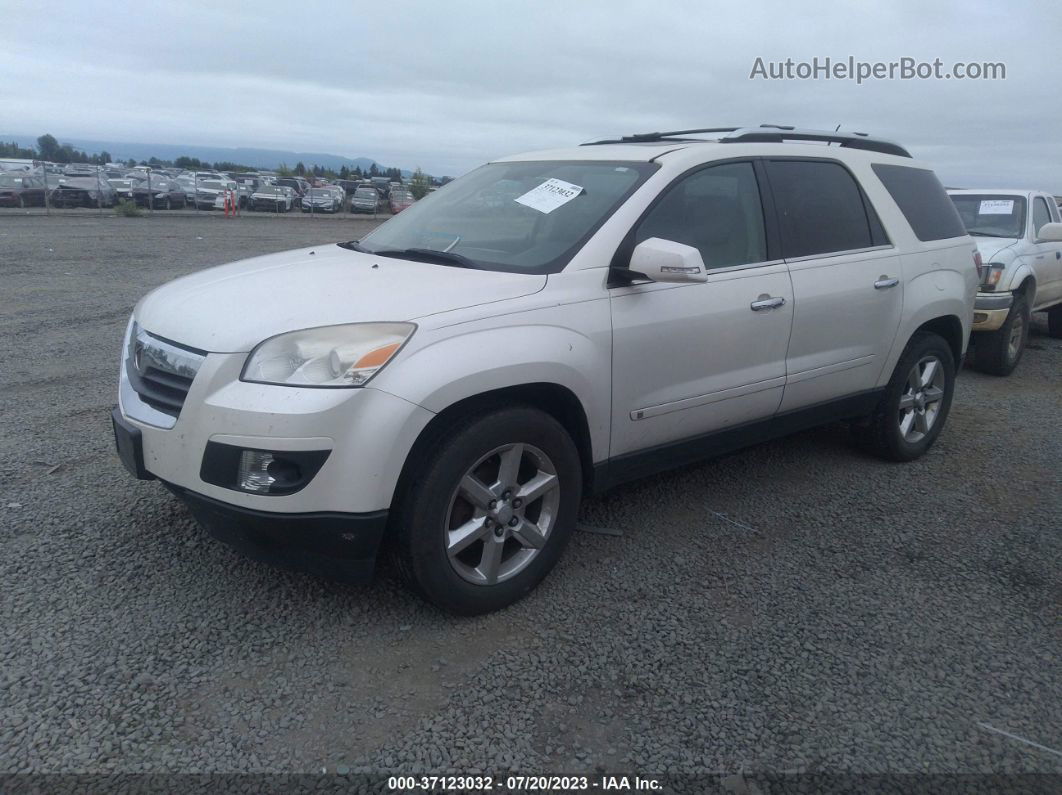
pixel 922 200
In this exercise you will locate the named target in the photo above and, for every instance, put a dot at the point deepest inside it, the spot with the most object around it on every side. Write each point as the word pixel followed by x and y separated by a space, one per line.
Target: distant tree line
pixel 48 148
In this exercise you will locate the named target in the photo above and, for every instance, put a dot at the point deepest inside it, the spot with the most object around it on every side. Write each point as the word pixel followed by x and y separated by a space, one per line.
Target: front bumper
pixel 340 546
pixel 368 432
pixel 991 310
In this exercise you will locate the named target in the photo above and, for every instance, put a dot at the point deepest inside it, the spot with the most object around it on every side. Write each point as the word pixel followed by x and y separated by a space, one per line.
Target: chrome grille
pixel 161 372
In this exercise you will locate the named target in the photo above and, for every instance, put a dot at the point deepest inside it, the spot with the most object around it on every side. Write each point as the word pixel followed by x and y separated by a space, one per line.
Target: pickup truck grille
pixel 161 372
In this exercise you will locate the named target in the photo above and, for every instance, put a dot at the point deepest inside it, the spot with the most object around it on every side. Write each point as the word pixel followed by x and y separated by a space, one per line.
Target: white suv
pixel 550 325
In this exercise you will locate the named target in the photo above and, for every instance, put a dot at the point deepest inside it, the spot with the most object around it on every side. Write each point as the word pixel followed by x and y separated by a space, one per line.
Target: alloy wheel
pixel 501 514
pixel 1017 337
pixel 921 399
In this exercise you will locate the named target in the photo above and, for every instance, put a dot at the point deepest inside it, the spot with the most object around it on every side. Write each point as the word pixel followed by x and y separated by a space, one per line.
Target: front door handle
pixel 766 302
pixel 885 282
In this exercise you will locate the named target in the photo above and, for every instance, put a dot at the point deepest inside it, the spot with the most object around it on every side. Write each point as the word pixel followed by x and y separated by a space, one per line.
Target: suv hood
pixel 232 308
pixel 991 247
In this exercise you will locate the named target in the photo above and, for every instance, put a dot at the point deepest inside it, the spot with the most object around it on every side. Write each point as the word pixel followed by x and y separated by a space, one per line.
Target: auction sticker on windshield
pixel 996 207
pixel 550 195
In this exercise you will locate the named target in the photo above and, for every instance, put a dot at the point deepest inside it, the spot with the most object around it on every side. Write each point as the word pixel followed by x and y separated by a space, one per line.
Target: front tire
pixel 487 515
pixel 998 352
pixel 1054 322
pixel 916 402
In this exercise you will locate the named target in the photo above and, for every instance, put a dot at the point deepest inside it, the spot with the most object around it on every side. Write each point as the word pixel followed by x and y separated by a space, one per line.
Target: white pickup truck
pixel 1017 233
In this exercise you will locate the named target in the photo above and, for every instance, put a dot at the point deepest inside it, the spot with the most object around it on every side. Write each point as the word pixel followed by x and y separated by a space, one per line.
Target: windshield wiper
pixel 430 255
pixel 983 234
pixel 354 245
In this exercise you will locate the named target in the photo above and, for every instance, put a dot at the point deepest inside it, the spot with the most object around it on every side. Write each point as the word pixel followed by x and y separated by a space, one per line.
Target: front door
pixel 1046 257
pixel 690 359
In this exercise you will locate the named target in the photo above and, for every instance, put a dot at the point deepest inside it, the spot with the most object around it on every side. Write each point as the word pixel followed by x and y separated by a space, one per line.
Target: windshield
pixel 323 192
pixel 522 217
pixel 10 182
pixel 366 193
pixel 991 215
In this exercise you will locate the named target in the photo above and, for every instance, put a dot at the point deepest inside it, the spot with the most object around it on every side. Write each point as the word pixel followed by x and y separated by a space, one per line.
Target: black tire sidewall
pixel 1054 321
pixel 922 344
pixel 1020 308
pixel 991 348
pixel 429 495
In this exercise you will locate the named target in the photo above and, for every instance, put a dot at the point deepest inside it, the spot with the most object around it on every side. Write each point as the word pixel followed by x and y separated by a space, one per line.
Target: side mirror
pixel 1050 233
pixel 662 260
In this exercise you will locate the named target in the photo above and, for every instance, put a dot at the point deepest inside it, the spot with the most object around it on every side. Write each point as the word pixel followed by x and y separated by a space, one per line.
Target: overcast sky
pixel 448 85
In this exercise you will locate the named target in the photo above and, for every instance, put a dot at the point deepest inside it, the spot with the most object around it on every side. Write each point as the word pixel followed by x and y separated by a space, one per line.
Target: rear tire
pixel 473 532
pixel 916 402
pixel 998 352
pixel 1054 322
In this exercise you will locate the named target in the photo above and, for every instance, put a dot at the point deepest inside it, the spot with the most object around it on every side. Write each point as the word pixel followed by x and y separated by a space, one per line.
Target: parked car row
pixel 83 185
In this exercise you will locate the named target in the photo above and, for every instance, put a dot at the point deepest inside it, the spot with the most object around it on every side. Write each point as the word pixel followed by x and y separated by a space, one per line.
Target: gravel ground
pixel 795 607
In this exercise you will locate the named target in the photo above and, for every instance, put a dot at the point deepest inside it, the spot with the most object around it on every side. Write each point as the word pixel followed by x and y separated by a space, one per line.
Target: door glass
pixel 716 210
pixel 820 208
pixel 1041 215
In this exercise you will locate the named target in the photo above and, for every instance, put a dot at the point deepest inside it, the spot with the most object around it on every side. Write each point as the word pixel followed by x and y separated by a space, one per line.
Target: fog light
pixel 980 317
pixel 254 474
pixel 272 472
pixel 263 472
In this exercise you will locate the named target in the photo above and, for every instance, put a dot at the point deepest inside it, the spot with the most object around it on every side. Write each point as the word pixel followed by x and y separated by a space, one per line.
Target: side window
pixel 1041 215
pixel 820 208
pixel 716 210
pixel 922 200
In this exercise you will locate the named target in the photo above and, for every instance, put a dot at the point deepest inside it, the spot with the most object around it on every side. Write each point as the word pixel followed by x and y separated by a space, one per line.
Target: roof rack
pixel 766 133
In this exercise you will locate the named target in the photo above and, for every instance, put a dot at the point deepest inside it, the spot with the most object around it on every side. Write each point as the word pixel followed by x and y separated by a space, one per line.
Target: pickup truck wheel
pixel 998 352
pixel 1054 322
pixel 916 402
pixel 487 515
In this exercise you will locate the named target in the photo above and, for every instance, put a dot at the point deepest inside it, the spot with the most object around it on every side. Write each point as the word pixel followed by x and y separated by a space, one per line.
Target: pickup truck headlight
pixel 992 273
pixel 328 356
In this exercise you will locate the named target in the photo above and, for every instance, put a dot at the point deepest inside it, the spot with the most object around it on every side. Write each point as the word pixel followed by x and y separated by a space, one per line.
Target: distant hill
pixel 259 158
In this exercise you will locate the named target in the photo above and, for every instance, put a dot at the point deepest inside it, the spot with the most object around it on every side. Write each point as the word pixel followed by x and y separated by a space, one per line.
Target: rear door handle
pixel 766 303
pixel 885 282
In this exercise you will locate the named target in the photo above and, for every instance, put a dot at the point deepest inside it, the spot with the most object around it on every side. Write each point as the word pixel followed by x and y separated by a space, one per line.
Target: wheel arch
pixel 950 328
pixel 1026 286
pixel 556 400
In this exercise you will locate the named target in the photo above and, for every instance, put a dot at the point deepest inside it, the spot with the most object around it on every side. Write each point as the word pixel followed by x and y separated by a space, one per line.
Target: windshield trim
pixel 644 170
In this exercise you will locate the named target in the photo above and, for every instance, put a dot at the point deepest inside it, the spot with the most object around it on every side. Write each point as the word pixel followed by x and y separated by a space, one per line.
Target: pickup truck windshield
pixel 521 217
pixel 988 215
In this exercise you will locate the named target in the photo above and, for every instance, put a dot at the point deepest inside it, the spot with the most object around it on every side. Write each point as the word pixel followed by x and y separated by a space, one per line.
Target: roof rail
pixel 659 136
pixel 768 133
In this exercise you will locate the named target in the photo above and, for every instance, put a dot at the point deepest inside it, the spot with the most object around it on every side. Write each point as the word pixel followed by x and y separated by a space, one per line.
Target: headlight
pixel 328 356
pixel 992 274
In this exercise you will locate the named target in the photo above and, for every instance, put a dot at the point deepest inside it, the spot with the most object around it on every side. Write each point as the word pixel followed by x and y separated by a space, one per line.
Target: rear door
pixel 847 285
pixel 689 359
